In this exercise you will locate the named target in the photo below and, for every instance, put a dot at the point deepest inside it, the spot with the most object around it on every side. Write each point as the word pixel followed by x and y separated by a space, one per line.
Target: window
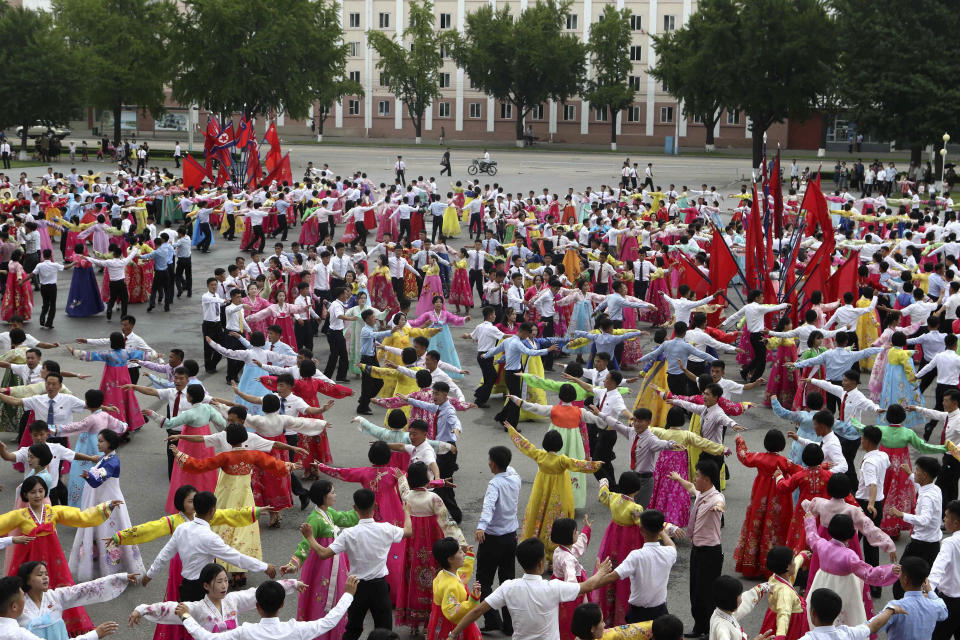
pixel 353 107
pixel 444 52
pixel 355 76
pixel 633 114
pixel 536 112
pixel 443 109
pixel 569 112
pixel 733 117
pixel 506 111
pixel 353 48
pixel 600 114
pixel 384 79
pixel 669 23
pixel 445 21
pixel 635 23
pixel 355 20
pixel 666 114
pixel 571 21
pixel 697 118
pixel 473 84
pixel 475 111
pixel 444 80
pixel 634 82
pixel 635 53
pixel 383 108
pixel 384 20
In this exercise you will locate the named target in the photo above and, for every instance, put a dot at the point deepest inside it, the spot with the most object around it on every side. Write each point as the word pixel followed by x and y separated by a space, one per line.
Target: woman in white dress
pixel 91 557
pixel 43 607
pixel 218 610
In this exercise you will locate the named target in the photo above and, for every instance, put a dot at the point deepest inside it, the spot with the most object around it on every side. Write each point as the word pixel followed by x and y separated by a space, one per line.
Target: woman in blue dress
pixel 440 318
pixel 115 376
pixel 581 317
pixel 84 298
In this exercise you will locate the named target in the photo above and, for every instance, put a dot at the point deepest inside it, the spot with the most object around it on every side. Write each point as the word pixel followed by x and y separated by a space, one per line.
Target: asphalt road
pixel 143 474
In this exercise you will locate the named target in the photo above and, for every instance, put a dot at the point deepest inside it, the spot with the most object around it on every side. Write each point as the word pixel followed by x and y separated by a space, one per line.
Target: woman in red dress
pixel 811 482
pixel 768 516
pixel 280 314
pixel 18 297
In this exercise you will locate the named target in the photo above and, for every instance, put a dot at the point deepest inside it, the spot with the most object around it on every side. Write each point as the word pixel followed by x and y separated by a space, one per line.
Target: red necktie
pixel 843 404
pixel 271 349
pixel 176 405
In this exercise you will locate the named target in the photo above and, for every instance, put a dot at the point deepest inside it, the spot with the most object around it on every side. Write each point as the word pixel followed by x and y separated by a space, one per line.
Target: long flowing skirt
pixel 581 319
pixel 87 444
pixel 551 498
pixel 172 594
pixel 420 568
pixel 125 400
pixel 876 375
pixel 647 396
pixel 800 398
pixel 798 624
pixel 206 481
pixel 655 295
pixel 382 295
pixel 850 589
pixel 746 353
pixel 460 291
pixel 431 287
pixel 48 550
pixel 90 557
pixel 234 492
pixel 618 541
pixel 250 384
pixel 571 264
pixel 325 580
pixel 270 490
pixel 573 448
pixel 898 491
pixel 898 389
pixel 443 342
pixel 865 601
pixel 440 627
pixel 451 223
pixel 668 496
pixel 17 299
pixel 84 298
pixel 764 527
pixel 783 382
pixel 310 233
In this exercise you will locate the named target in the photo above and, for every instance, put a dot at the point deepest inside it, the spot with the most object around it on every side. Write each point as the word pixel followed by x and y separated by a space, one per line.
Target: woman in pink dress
pixel 115 375
pixel 432 285
pixel 783 381
pixel 571 545
pixel 891 325
pixel 668 496
pixel 18 297
pixel 621 537
pixel 531 291
pixel 255 303
pixel 382 295
pixel 280 314
pixel 388 483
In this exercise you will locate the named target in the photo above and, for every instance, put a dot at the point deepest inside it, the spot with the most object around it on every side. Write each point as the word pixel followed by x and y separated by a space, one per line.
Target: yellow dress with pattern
pixel 450 591
pixel 552 494
pixel 868 330
pixel 165 526
pixel 635 631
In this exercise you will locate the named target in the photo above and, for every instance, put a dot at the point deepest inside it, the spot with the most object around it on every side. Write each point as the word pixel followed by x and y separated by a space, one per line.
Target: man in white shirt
pixel 754 312
pixel 367 545
pixel 46 273
pixel 116 271
pixel 944 574
pixel 946 364
pixel 830 443
pixel 338 359
pixel 533 602
pixel 211 304
pixel 950 472
pixel 197 545
pixel 869 495
pixel 926 517
pixel 400 168
pixel 486 336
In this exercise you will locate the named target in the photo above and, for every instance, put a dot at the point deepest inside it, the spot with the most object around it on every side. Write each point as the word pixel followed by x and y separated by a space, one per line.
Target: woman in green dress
pixel 353 328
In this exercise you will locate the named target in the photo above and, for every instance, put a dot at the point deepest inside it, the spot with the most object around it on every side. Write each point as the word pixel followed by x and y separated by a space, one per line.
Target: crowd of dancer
pixel 361 304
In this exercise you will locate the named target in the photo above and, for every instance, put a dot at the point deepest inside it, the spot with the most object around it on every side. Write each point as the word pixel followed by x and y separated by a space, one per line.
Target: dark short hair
pixel 30 483
pixel 667 627
pixel 726 592
pixel 585 617
pixel 931 466
pixel 270 596
pixel 839 485
pixel 443 550
pixel 204 502
pixel 841 527
pixel 779 559
pixel 563 530
pixel 379 453
pixel 709 469
pixel 9 591
pixel 872 434
pixel 812 455
pixel 181 494
pixel 652 520
pixel 826 604
pixel 500 456
pixel 530 552
pixel 364 499
pixel 774 441
pixel 916 569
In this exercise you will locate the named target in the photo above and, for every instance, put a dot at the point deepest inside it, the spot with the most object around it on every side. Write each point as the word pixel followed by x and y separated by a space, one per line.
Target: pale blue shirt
pixel 673 350
pixel 838 361
pixel 162 256
pixel 367 337
pixel 448 424
pixel 923 613
pixel 615 303
pixel 513 348
pixel 498 516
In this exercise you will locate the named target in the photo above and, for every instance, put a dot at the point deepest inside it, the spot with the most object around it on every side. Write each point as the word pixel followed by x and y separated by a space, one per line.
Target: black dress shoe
pixel 364 412
pixel 482 405
pixel 149 309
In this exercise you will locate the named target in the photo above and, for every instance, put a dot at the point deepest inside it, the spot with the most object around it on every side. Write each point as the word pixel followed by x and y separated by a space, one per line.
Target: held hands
pixel 135 618
pixel 351 585
pixel 288 568
pixel 475 591
pixel 792 435
pixel 107 628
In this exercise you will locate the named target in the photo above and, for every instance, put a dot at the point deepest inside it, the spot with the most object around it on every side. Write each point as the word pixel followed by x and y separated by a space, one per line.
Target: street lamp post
pixel 943 163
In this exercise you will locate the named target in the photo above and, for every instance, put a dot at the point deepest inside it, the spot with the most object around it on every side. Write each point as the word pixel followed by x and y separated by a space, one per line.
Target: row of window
pixel 475 110
pixel 353 50
pixel 446 21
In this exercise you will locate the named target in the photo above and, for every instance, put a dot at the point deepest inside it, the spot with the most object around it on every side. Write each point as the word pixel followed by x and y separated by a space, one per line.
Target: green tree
pixel 609 50
pixel 329 94
pixel 910 95
pixel 777 65
pixel 123 48
pixel 413 61
pixel 523 60
pixel 694 62
pixel 257 56
pixel 39 79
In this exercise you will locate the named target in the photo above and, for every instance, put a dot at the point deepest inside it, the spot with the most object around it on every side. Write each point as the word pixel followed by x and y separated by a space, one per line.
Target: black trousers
pixel 482 394
pixel 206 237
pixel 49 309
pixel 917 549
pixel 871 554
pixel 447 465
pixel 445 167
pixel 758 364
pixel 361 233
pixel 496 557
pixel 402 178
pixel 602 442
pixel 256 235
pixel 645 614
pixel 372 596
pixel 161 281
pixel 437 226
pixel 949 628
pixel 369 386
pixel 928 379
pixel 938 394
pixel 511 412
pixel 398 287
pixel 281 227
pixel 212 329
pixel 947 480
pixel 170 455
pixel 849 449
pixel 677 383
pixel 231 227
pixel 234 367
pixel 706 565
pixel 304 334
pixel 118 293
pixel 548 332
pixel 476 280
pixel 134 373
pixel 404 229
pixel 184 276
pixel 338 358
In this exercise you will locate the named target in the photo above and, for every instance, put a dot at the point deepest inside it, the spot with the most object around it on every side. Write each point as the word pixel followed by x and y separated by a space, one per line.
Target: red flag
pixel 254 170
pixel 755 245
pixel 244 132
pixel 271 137
pixel 210 140
pixel 844 280
pixel 280 172
pixel 723 266
pixel 223 176
pixel 818 212
pixel 776 190
pixel 194 173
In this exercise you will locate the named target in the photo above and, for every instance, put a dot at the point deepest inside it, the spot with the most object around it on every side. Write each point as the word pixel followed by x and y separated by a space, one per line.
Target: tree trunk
pixel 757 144
pixel 824 125
pixel 117 108
pixel 710 124
pixel 417 119
pixel 613 129
pixel 519 125
pixel 916 153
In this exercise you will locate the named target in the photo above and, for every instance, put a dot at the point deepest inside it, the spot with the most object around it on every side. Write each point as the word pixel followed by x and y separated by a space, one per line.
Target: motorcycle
pixel 480 166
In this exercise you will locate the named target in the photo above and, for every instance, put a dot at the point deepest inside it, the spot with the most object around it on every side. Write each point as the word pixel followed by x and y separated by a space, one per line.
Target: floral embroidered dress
pixel 46 620
pixel 567 567
pixel 768 515
pixel 552 494
pixel 783 382
pixel 900 386
pixel 116 374
pixel 810 482
pixel 621 537
pixel 452 600
pixel 668 496
pixel 817 371
pixel 443 340
pixel 787 612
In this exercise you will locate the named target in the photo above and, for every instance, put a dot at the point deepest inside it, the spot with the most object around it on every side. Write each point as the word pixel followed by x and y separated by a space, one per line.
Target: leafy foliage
pixel 609 51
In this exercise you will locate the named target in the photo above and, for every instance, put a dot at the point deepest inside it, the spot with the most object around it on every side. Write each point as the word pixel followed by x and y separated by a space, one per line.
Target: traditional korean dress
pixel 382 294
pixel 46 547
pixel 552 494
pixel 783 381
pixel 867 330
pixel 18 295
pixel 452 600
pixel 352 333
pixel 86 442
pixel 567 567
pixel 818 371
pixel 432 286
pixel 282 316
pixel 442 341
pixel 84 298
pixel 257 304
pixel 768 516
pixel 900 386
pixel 810 482
pixel 194 421
pixel 621 537
pixel 90 557
pixel 460 290
pixel 116 374
pixel 326 577
pixel 46 621
pixel 668 496
pixel 787 614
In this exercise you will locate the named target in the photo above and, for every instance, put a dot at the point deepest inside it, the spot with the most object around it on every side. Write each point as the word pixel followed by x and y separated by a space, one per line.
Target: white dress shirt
pixel 852 403
pixel 847 316
pixel 274 628
pixel 534 605
pixel 947 364
pixel 873 469
pixel 367 545
pixel 336 310
pixel 701 340
pixel 47 271
pixel 754 312
pixel 609 403
pixel 116 267
pixel 832 451
pixel 945 573
pixel 211 304
pixel 486 336
pixel 951 422
pixel 682 307
pixel 198 546
pixel 926 515
pixel 648 569
pixel 64 406
pixel 919 311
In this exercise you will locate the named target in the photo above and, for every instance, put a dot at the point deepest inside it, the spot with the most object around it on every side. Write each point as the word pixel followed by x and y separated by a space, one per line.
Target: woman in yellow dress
pixel 452 600
pixel 451 222
pixel 868 330
pixel 402 339
pixel 572 265
pixel 552 494
pixel 588 624
pixel 654 379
